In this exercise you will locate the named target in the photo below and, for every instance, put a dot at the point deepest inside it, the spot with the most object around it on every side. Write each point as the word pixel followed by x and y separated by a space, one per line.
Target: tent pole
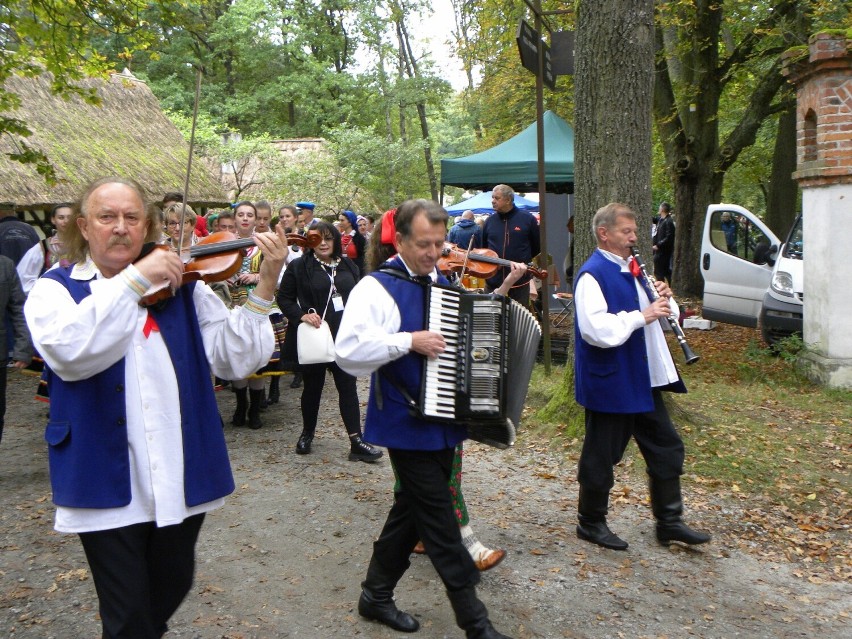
pixel 542 189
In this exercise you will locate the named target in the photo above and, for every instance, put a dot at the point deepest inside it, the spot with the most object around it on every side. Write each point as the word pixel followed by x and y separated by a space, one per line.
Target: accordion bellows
pixel 481 379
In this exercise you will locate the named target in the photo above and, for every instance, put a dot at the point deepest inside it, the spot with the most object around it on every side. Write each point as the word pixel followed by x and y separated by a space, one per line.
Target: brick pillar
pixel 822 76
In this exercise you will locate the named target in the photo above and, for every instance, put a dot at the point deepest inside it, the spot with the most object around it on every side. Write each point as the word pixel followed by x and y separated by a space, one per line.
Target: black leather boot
pixel 256 398
pixel 303 446
pixel 263 402
pixel 667 505
pixel 274 390
pixel 297 380
pixel 472 615
pixel 376 601
pixel 591 513
pixel 239 418
pixel 359 450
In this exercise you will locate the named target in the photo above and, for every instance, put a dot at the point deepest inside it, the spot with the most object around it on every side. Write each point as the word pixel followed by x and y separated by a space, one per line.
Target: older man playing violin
pixel 136 451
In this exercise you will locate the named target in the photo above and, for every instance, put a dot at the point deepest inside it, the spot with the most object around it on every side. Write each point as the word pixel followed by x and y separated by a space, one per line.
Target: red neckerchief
pixel 633 266
pixel 150 325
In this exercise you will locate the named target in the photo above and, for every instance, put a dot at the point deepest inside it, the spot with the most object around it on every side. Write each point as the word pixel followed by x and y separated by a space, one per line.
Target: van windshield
pixel 794 247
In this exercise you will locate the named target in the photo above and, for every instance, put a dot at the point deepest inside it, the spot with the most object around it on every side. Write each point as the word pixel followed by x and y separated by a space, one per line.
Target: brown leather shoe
pixel 419 548
pixel 490 558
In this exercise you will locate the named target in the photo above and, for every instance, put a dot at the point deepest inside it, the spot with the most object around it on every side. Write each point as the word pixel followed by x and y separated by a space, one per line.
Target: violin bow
pixel 199 72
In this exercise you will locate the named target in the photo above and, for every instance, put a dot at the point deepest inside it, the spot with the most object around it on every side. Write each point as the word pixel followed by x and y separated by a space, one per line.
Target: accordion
pixel 481 378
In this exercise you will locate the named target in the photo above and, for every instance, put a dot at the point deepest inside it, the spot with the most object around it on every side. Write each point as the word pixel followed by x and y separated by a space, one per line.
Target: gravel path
pixel 285 556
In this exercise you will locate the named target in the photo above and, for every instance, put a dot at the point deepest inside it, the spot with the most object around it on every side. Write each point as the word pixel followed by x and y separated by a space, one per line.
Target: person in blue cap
pixel 354 244
pixel 306 213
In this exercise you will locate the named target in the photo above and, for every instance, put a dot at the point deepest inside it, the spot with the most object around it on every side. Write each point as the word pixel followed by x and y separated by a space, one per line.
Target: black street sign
pixel 528 39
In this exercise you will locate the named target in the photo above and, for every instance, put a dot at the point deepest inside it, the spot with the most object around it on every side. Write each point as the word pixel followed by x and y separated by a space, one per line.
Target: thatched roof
pixel 127 135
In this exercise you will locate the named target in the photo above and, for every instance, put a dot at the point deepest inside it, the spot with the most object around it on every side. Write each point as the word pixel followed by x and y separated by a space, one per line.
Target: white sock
pixel 473 545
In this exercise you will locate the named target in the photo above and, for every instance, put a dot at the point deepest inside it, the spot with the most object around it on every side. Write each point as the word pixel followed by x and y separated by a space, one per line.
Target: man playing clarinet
pixel 622 363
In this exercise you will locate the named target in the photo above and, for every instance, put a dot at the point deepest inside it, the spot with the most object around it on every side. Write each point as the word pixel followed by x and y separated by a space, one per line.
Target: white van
pixel 750 278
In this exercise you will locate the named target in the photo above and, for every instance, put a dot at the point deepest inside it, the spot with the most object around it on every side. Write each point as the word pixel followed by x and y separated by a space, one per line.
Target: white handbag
pixel 315 345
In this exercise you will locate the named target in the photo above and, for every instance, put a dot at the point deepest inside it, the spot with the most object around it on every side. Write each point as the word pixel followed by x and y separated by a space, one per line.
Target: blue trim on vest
pixel 88 452
pixel 393 426
pixel 612 380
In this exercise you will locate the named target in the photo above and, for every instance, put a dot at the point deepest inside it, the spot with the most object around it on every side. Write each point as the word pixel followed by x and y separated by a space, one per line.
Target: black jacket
pixel 664 239
pixel 306 284
pixel 12 302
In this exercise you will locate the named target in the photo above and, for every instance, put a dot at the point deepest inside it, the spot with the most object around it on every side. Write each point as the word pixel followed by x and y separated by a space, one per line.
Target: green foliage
pixel 43 36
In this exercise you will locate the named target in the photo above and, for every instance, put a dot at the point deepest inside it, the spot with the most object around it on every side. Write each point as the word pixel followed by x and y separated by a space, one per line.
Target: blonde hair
pixel 176 208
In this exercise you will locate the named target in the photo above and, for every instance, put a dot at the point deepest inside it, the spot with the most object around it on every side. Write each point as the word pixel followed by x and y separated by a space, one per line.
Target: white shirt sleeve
pixel 29 268
pixel 369 336
pixel 597 325
pixel 600 328
pixel 80 340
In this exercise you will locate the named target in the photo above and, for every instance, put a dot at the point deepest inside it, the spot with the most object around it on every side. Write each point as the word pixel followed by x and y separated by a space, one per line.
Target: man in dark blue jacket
pixel 514 235
pixel 664 243
pixel 465 228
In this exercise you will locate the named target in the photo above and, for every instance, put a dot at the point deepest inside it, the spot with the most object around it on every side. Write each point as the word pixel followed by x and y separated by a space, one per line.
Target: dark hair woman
pixel 314 285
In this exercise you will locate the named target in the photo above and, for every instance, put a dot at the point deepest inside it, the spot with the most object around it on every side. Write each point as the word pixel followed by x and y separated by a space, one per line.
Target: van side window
pixel 735 234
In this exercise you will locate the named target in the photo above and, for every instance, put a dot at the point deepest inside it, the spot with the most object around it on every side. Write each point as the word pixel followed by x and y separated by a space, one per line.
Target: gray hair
pixel 505 191
pixel 76 245
pixel 606 216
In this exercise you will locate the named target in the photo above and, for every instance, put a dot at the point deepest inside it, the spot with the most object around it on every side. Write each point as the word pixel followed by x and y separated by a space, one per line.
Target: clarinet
pixel 649 281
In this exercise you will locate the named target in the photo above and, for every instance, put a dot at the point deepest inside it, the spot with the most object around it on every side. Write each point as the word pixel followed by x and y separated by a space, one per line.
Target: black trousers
pixel 663 266
pixel 142 574
pixel 423 510
pixel 607 436
pixel 347 396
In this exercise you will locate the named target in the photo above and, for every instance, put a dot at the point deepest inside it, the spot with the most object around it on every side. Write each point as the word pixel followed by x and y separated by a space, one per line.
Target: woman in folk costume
pixel 381 248
pixel 249 392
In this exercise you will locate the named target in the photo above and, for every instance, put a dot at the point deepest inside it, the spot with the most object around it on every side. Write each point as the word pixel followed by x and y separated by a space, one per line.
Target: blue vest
pixel 87 432
pixel 612 380
pixel 392 426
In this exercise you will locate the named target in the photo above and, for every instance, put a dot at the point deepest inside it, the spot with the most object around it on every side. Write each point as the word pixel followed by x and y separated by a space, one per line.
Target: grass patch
pixel 752 424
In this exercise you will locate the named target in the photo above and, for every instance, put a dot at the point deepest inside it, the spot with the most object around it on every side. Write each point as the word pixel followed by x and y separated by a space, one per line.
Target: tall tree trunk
pixel 612 154
pixel 614 83
pixel 783 193
pixel 407 56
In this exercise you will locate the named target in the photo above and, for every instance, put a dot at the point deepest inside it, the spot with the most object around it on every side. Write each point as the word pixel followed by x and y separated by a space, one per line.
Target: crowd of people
pixel 120 325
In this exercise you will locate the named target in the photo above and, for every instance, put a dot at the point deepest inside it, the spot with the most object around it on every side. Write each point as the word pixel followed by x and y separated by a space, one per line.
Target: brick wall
pixel 824 111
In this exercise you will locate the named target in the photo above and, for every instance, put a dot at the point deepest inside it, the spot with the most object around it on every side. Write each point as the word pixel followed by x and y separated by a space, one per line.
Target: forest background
pixel 362 75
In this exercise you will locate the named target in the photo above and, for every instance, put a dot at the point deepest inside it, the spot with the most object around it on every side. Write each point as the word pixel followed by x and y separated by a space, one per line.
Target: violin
pixel 214 259
pixel 481 263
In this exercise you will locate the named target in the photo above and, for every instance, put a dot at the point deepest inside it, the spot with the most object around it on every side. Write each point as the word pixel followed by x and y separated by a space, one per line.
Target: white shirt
pixel 369 336
pixel 29 268
pixel 600 328
pixel 80 340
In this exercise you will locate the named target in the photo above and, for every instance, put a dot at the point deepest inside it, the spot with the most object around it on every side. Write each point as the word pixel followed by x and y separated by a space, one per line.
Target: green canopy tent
pixel 515 161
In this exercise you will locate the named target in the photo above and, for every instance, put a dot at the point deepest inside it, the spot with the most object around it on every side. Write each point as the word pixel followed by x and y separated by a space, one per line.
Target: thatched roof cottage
pixel 126 135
